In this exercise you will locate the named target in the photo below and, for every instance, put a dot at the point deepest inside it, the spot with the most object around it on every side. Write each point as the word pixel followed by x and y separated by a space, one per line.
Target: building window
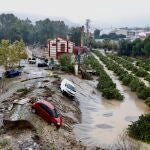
pixel 62 47
pixel 53 44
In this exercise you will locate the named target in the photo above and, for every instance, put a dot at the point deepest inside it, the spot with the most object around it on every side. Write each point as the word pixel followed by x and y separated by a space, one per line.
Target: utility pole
pixel 87 24
pixel 82 36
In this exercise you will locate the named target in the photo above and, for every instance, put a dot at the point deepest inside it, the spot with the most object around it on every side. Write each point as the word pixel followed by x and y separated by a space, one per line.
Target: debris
pixel 50 73
pixel 10 107
pixel 23 101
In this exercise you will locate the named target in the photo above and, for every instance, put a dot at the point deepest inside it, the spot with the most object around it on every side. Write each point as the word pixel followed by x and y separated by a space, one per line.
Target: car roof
pixel 46 103
pixel 67 81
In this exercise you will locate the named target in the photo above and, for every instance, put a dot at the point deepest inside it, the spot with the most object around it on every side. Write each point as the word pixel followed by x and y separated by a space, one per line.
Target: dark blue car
pixel 12 73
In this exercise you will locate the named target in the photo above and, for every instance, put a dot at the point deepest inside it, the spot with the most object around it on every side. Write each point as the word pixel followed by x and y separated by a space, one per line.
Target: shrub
pixel 135 84
pixel 112 93
pixel 140 129
pixel 141 73
pixel 119 71
pixel 147 78
pixel 127 79
pixel 143 64
pixel 66 63
pixel 105 83
pixel 143 92
pixel 129 66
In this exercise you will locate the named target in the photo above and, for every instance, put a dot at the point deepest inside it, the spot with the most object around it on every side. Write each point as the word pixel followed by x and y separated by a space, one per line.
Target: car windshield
pixel 55 113
pixel 69 86
pixel 51 112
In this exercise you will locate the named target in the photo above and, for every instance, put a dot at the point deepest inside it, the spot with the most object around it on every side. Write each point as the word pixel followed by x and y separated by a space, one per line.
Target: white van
pixel 68 87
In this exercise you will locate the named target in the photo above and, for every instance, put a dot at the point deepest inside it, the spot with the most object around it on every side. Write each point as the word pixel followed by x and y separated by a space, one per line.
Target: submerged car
pixel 32 60
pixel 48 112
pixel 12 73
pixel 68 87
pixel 42 64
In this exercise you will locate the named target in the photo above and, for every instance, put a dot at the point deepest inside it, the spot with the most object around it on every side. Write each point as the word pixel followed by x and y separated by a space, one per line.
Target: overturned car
pixel 68 87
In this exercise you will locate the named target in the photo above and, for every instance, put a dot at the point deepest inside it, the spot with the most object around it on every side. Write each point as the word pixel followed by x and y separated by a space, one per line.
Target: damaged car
pixel 68 87
pixel 48 112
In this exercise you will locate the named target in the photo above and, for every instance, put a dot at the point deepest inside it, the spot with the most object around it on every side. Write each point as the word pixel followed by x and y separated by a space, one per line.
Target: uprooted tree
pixel 11 54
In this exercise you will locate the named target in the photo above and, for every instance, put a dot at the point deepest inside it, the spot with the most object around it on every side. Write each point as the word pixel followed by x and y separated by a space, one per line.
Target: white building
pixel 59 46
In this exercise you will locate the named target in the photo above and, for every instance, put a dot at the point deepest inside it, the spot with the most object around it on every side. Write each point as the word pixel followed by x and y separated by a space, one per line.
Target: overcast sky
pixel 111 12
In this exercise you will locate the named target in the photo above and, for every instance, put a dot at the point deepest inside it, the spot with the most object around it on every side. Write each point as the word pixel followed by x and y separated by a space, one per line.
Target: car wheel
pixel 57 127
pixel 33 110
pixel 63 92
pixel 52 124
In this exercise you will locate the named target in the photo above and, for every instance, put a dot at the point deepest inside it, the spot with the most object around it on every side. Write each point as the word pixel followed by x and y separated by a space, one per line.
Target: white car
pixel 32 60
pixel 68 87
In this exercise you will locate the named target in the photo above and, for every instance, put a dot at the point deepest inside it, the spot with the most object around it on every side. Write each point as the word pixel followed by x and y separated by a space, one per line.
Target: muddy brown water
pixel 105 121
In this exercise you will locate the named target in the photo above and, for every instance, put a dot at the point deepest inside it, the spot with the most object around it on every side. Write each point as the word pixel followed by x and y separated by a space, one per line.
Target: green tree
pixel 19 51
pixel 125 47
pixel 13 28
pixel 114 46
pixel 106 44
pixel 146 49
pixel 75 35
pixel 138 45
pixel 10 55
pixel 66 62
pixel 5 53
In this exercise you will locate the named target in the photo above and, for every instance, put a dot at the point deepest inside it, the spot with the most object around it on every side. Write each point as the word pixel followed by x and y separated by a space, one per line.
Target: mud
pixel 89 120
pixel 20 125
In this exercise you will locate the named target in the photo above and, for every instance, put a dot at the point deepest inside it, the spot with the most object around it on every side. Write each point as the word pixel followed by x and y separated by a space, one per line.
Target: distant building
pixel 59 46
pixel 128 33
pixel 143 35
pixel 133 33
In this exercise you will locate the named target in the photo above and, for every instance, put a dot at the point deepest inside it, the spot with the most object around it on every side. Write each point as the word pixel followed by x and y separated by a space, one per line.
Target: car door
pixel 42 112
pixel 49 112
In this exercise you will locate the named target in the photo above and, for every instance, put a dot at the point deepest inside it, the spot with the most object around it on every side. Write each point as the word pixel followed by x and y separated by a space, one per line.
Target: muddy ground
pixel 89 120
pixel 20 129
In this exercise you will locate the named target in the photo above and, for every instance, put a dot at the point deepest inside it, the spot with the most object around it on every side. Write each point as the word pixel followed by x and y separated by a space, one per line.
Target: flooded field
pixel 104 121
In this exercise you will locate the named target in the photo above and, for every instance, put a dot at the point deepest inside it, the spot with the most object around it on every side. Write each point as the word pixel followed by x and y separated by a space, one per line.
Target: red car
pixel 48 112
